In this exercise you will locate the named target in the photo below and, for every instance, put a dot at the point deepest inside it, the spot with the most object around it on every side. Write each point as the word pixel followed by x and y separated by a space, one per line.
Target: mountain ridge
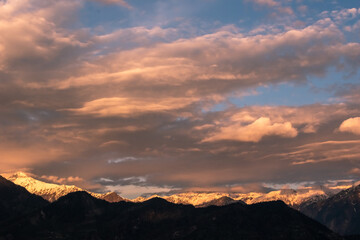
pixel 339 212
pixel 79 215
pixel 51 191
pixel 293 198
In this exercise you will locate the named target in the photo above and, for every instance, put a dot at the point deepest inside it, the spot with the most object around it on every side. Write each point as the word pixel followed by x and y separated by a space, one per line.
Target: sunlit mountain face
pixel 183 99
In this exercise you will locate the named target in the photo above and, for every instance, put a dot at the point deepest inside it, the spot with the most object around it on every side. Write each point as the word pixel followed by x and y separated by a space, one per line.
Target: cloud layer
pixel 140 107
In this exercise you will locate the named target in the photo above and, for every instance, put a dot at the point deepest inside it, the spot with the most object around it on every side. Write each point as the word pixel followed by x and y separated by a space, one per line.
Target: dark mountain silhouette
pixel 16 201
pixel 81 216
pixel 341 212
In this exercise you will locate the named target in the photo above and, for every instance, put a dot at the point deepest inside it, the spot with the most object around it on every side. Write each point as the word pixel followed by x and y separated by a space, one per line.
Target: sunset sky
pixel 147 96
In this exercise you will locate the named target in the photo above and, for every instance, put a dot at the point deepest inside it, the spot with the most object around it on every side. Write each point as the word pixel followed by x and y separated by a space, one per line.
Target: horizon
pixel 38 186
pixel 328 189
pixel 160 96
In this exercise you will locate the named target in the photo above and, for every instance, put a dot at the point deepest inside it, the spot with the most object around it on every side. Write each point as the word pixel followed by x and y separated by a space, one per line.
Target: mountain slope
pixel 223 201
pixel 341 212
pixel 16 200
pixel 80 216
pixel 51 191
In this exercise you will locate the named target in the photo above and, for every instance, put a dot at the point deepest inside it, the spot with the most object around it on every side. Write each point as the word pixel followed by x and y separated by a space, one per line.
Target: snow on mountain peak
pixel 49 191
pixel 52 191
pixel 289 196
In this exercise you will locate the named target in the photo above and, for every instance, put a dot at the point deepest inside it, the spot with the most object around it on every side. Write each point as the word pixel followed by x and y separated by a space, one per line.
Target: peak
pixel 111 197
pixel 225 198
pixel 156 201
pixel 21 174
pixel 77 195
pixel 18 175
pixel 111 194
pixel 275 203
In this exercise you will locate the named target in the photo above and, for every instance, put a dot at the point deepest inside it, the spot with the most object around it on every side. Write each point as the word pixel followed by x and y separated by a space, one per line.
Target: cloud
pixel 39 28
pixel 120 2
pixel 132 191
pixel 328 151
pixel 253 132
pixel 355 171
pixel 61 180
pixel 277 5
pixel 74 96
pixel 124 159
pixel 270 3
pixel 129 106
pixel 184 67
pixel 351 125
pixel 345 14
pixel 24 155
pixel 105 180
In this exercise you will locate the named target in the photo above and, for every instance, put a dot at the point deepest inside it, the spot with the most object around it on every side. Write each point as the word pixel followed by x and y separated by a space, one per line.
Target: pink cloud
pixel 351 125
pixel 120 2
pixel 17 155
pixel 129 106
pixel 328 151
pixel 355 171
pixel 270 3
pixel 39 28
pixel 60 180
pixel 253 132
pixel 235 57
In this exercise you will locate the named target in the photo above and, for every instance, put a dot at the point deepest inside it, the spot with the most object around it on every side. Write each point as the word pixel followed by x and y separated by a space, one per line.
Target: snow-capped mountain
pixel 291 197
pixel 339 213
pixel 52 191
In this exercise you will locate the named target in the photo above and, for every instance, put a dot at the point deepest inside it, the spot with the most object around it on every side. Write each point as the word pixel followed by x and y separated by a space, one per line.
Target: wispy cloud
pixel 123 159
pixel 120 2
pixel 62 180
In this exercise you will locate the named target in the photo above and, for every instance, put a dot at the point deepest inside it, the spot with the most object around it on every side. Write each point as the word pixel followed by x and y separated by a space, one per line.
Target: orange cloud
pixel 355 171
pixel 18 156
pixel 60 180
pixel 253 132
pixel 187 60
pixel 129 106
pixel 328 151
pixel 351 125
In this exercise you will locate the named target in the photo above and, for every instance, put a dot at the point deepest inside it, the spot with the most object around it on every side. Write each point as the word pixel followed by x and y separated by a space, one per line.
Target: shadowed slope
pixel 16 200
pixel 341 212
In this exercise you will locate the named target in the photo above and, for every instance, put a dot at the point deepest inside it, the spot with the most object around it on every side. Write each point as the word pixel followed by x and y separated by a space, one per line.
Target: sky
pixel 154 96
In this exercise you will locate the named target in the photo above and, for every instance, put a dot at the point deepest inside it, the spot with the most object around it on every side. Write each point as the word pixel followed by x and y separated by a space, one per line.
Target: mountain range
pixel 291 197
pixel 51 191
pixel 79 215
pixel 339 212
